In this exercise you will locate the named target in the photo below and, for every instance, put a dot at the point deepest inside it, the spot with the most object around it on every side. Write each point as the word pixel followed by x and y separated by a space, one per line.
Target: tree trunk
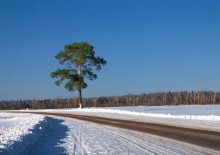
pixel 80 98
pixel 79 89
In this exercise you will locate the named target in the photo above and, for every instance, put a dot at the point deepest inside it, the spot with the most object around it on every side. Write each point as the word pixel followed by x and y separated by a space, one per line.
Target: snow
pixel 179 112
pixel 36 134
pixel 71 136
pixel 16 131
pixel 89 138
pixel 194 116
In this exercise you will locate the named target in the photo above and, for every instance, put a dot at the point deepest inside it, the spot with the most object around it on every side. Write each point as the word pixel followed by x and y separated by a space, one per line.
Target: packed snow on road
pixel 22 133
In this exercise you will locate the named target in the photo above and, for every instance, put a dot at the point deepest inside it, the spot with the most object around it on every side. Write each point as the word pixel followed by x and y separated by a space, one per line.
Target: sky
pixel 150 45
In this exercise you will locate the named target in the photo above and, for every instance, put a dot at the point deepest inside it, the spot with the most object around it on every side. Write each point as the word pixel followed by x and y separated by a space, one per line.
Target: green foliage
pixel 79 60
pixel 71 76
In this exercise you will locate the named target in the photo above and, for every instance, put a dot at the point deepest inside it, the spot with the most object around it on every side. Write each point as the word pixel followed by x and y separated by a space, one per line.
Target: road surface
pixel 203 138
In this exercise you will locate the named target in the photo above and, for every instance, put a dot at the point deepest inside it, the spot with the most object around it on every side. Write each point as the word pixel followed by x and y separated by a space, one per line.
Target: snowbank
pixel 140 112
pixel 19 131
pixel 191 112
pixel 194 116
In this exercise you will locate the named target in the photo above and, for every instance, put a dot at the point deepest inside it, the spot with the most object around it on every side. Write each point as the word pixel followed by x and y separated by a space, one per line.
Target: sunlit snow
pixel 36 134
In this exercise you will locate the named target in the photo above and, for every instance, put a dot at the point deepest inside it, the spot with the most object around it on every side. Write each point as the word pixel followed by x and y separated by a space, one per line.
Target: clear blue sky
pixel 150 45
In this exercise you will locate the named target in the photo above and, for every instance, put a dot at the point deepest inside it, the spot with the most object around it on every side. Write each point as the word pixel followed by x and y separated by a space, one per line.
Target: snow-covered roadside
pixel 71 136
pixel 90 138
pixel 194 116
pixel 19 131
pixel 59 135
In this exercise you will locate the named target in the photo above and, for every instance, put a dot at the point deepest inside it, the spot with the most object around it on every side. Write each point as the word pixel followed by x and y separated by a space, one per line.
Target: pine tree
pixel 79 60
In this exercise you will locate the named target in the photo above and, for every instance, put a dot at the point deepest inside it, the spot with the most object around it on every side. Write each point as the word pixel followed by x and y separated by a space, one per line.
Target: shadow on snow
pixel 51 139
pixel 44 139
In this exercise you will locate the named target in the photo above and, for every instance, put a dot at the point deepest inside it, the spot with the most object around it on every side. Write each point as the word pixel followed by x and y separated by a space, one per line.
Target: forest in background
pixel 152 99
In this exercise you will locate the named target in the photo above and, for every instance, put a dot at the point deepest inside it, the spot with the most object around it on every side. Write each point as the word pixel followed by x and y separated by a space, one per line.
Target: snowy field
pixel 35 134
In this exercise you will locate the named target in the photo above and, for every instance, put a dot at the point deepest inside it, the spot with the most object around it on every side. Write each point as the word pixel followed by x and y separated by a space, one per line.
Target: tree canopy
pixel 79 60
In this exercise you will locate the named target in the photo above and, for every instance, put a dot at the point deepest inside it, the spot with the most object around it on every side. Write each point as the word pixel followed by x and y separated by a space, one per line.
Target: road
pixel 204 138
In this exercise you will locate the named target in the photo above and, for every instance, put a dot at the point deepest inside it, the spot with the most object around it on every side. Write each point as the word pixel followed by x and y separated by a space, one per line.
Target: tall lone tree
pixel 79 60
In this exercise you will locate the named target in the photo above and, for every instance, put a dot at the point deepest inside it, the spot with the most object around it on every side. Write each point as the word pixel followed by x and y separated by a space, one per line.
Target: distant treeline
pixel 153 99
